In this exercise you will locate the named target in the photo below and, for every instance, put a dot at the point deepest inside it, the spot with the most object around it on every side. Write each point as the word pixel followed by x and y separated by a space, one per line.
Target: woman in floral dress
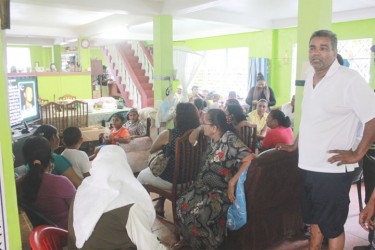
pixel 202 211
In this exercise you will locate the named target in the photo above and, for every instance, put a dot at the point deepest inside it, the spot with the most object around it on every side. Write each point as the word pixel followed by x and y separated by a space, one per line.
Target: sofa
pixel 137 152
pixel 272 190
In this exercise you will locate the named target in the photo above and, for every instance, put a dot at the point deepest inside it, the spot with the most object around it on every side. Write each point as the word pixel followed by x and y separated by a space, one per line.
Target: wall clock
pixel 85 43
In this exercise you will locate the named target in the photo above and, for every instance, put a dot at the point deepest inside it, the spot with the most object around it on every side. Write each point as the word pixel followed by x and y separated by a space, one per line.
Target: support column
pixel 57 57
pixel 8 205
pixel 83 55
pixel 313 15
pixel 163 55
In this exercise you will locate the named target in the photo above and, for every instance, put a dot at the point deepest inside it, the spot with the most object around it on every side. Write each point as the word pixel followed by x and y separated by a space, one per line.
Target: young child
pixel 72 139
pixel 118 134
pixel 134 125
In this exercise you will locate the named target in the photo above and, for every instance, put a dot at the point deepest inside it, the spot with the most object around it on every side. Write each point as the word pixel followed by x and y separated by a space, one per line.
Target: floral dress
pixel 202 211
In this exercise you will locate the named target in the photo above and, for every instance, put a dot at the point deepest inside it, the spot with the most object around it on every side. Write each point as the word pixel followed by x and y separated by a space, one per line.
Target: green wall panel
pixel 54 86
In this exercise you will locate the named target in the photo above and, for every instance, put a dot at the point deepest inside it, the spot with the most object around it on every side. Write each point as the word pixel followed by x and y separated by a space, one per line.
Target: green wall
pixel 277 45
pixel 51 87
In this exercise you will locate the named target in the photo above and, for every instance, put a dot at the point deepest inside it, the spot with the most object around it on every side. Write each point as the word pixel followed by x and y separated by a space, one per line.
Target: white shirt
pixel 287 109
pixel 79 160
pixel 331 113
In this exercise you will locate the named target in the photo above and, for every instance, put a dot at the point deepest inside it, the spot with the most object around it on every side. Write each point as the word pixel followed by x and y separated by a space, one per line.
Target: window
pixel 356 52
pixel 18 59
pixel 224 70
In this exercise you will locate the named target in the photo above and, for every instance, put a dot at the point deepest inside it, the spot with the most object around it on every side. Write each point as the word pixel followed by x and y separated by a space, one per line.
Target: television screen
pixel 23 100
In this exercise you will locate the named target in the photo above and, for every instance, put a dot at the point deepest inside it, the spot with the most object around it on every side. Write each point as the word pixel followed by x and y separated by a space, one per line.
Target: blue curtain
pixel 257 65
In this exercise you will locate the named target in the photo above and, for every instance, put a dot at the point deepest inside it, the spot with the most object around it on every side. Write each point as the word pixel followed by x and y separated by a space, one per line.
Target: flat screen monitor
pixel 23 100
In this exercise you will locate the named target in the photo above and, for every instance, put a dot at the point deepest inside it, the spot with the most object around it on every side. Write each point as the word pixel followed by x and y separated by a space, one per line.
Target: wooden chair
pixel 248 133
pixel 53 114
pixel 77 114
pixel 187 165
pixel 42 101
pixel 48 238
pixel 67 97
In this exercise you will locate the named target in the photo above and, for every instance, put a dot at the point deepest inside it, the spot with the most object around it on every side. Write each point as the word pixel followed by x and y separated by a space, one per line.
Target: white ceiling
pixel 48 22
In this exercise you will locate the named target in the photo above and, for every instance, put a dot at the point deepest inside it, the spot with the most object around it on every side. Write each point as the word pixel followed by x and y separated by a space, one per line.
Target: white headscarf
pixel 110 186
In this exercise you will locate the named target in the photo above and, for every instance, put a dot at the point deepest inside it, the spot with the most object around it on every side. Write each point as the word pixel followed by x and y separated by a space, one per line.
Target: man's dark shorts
pixel 325 200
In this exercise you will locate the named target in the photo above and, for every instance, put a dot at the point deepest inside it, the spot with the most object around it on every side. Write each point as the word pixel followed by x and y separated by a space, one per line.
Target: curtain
pixel 186 64
pixel 257 65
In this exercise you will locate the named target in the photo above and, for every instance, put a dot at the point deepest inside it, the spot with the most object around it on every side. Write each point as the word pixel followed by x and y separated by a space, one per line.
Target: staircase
pixel 130 75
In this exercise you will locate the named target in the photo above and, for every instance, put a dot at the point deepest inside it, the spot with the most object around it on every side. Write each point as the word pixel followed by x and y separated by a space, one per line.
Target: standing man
pixel 336 99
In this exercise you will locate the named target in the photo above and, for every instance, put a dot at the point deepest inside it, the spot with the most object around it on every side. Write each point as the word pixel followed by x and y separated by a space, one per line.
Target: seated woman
pixel 279 132
pixel 111 209
pixel 202 212
pixel 61 165
pixel 235 115
pixel 49 194
pixel 186 118
pixel 134 125
pixel 259 117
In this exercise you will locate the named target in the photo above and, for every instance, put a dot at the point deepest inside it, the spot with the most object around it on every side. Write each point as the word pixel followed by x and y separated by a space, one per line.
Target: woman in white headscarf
pixel 111 209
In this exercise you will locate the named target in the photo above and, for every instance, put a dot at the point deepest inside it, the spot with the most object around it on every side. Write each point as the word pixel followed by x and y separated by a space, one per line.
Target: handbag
pixel 157 162
pixel 237 215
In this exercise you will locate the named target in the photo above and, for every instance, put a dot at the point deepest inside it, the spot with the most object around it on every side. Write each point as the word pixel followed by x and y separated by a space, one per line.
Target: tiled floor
pixel 355 235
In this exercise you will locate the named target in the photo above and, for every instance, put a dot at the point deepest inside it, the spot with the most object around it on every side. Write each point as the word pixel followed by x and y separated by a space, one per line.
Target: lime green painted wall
pixel 262 44
pixel 54 86
pixel 11 208
pixel 40 54
pixel 96 53
pixel 57 56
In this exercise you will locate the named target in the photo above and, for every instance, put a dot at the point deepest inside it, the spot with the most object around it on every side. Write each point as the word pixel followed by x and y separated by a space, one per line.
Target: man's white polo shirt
pixel 331 113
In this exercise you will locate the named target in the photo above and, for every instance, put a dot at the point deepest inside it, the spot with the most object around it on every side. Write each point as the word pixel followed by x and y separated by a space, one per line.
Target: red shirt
pixel 277 135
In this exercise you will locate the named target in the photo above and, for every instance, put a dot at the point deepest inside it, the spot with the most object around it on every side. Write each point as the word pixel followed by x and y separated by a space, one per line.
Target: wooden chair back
pixel 188 161
pixel 248 134
pixel 77 114
pixel 42 101
pixel 53 114
pixel 67 97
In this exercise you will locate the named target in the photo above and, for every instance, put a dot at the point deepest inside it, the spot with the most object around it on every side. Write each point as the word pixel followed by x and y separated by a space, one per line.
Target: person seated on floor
pixel 202 211
pixel 186 119
pixel 111 209
pixel 259 117
pixel 134 125
pixel 279 132
pixel 47 193
pixel 288 109
pixel 72 139
pixel 61 165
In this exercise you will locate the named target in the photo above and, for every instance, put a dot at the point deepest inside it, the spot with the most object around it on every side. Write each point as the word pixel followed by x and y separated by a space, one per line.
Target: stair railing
pixel 126 79
pixel 144 58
